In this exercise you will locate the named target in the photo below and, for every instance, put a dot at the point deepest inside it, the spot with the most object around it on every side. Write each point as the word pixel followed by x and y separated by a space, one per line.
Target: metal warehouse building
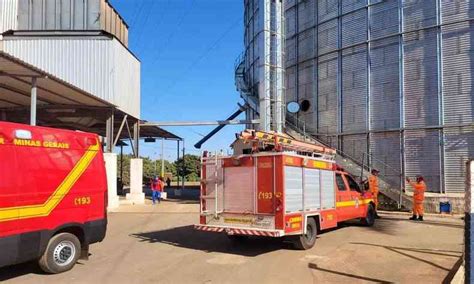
pixel 66 64
pixel 388 82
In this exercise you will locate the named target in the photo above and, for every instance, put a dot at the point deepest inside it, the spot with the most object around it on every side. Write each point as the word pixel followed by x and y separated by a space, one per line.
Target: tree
pixel 151 168
pixel 189 167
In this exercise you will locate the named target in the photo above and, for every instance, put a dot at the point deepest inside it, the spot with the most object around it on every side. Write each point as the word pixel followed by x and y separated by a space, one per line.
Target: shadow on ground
pixel 10 272
pixel 189 238
pixel 408 252
pixel 348 275
pixel 14 271
pixel 426 222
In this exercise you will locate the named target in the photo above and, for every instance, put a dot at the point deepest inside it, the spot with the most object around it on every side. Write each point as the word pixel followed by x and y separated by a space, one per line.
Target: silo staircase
pixel 397 199
pixel 296 129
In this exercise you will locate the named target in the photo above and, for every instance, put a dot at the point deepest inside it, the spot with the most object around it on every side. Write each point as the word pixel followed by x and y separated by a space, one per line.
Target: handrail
pixel 300 126
pixel 369 155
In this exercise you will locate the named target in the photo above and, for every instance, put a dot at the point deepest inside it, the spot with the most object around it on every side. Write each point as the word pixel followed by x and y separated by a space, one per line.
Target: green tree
pixel 189 167
pixel 150 168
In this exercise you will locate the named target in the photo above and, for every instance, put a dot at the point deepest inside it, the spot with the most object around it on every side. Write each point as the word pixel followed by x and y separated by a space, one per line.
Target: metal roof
pixel 15 85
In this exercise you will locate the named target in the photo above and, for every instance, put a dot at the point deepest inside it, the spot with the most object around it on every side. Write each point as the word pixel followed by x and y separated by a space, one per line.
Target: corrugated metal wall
pixel 99 65
pixel 62 15
pixel 58 15
pixel 395 68
pixel 8 15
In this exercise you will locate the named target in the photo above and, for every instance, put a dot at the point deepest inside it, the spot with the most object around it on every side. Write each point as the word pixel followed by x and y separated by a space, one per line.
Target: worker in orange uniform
pixel 374 188
pixel 419 188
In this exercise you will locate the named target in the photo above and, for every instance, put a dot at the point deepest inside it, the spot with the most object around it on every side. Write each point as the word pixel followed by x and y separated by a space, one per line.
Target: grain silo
pixel 388 82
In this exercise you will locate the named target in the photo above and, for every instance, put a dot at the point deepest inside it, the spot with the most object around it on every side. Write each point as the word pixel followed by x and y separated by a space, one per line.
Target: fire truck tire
pixel 307 240
pixel 61 254
pixel 369 219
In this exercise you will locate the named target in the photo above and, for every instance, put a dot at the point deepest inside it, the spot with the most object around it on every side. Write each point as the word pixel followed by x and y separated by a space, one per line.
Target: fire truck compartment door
pixel 293 189
pixel 328 194
pixel 239 189
pixel 312 193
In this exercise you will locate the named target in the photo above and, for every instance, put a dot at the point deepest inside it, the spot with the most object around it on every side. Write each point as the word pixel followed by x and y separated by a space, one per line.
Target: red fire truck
pixel 52 195
pixel 279 187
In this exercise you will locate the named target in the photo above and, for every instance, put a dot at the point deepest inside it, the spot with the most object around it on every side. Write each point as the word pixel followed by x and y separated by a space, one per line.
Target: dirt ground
pixel 157 244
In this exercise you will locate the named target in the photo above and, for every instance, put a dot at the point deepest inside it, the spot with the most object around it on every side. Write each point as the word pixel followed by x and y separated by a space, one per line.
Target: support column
pixel 469 224
pixel 136 195
pixel 34 99
pixel 109 133
pixel 136 138
pixel 177 170
pixel 162 158
pixel 111 171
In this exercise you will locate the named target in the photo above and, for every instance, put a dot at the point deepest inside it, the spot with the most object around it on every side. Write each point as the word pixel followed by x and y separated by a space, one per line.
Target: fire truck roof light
pixel 23 134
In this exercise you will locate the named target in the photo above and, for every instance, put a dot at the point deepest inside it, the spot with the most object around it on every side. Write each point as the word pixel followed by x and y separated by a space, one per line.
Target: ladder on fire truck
pixel 210 198
pixel 283 143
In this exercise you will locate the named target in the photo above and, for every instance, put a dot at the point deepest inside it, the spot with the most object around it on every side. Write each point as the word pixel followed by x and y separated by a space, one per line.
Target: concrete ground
pixel 147 244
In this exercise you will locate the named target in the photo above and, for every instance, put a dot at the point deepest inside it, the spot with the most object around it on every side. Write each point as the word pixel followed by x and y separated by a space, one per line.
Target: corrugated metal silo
pixel 389 79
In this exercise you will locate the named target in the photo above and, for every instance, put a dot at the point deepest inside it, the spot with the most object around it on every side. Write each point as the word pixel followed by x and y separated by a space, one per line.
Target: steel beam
pixel 200 123
pixel 120 129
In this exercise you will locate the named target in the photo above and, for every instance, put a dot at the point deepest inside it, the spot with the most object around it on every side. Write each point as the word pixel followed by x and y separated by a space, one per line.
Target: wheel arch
pixel 76 229
pixel 317 219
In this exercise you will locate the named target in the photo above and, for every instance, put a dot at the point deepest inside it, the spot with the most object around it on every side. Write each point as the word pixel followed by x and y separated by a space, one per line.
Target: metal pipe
pixel 265 68
pixel 200 123
pixel 218 128
pixel 34 99
pixel 439 21
pixel 279 84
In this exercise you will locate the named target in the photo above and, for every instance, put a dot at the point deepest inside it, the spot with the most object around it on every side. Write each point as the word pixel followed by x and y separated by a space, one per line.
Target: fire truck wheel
pixel 307 240
pixel 61 254
pixel 369 219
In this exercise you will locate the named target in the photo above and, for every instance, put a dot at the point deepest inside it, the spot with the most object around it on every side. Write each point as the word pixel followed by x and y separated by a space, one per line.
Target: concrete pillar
pixel 111 170
pixel 136 195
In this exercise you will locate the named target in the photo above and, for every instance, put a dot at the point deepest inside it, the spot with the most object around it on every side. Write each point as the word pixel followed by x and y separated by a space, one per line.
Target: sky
pixel 188 50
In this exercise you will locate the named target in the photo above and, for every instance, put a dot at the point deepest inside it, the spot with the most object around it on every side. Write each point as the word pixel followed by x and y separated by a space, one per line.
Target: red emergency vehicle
pixel 53 195
pixel 281 188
